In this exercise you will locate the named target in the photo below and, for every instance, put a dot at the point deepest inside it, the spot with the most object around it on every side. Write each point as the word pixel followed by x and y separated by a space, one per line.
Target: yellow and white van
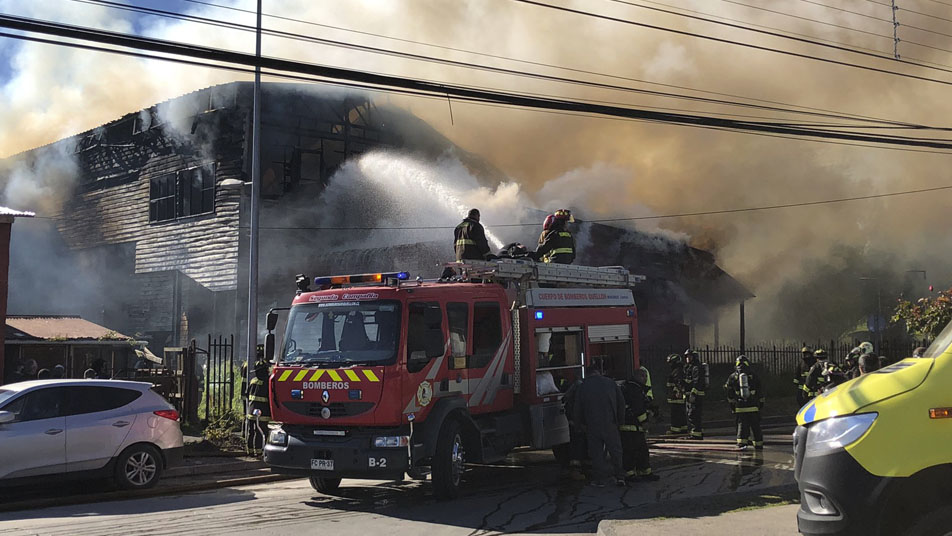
pixel 874 455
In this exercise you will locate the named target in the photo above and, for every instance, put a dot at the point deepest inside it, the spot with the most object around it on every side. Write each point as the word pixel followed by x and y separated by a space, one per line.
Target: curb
pixel 157 491
pixel 211 468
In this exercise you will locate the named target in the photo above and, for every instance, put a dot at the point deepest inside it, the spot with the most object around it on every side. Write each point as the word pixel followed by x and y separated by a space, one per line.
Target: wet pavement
pixel 528 493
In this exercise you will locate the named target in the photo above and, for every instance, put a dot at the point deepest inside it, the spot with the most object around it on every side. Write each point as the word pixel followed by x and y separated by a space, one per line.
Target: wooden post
pixel 743 329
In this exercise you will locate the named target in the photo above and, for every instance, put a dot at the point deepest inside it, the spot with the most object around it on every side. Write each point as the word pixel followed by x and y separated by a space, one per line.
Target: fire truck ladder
pixel 530 273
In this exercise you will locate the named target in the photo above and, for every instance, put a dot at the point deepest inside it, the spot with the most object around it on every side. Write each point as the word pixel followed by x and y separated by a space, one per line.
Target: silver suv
pixel 87 428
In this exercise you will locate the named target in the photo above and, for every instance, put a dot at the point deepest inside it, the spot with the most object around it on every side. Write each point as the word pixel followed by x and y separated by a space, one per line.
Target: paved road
pixel 528 494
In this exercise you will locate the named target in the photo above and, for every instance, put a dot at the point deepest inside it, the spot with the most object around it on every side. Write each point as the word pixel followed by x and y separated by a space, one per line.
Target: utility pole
pixel 255 194
pixel 895 9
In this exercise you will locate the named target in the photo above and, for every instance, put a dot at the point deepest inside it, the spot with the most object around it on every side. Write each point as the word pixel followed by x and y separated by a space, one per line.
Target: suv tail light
pixel 168 414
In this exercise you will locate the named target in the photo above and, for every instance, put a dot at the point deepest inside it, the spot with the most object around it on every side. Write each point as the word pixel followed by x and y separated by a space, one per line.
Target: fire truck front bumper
pixel 377 454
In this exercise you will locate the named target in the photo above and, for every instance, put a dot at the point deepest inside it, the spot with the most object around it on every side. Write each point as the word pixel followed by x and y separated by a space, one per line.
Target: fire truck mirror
pixel 433 343
pixel 269 347
pixel 272 321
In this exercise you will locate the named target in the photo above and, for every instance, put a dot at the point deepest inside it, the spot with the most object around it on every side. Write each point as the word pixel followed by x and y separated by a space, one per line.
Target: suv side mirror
pixel 7 416
pixel 272 321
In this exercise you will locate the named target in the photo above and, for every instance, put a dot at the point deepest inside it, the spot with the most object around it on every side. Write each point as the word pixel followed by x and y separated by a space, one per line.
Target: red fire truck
pixel 381 375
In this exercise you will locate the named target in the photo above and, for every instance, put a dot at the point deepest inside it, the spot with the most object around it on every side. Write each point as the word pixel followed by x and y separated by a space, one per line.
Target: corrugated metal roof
pixel 58 329
pixel 4 211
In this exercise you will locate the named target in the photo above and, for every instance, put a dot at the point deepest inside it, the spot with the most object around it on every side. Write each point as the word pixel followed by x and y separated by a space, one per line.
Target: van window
pixel 458 316
pixel 487 333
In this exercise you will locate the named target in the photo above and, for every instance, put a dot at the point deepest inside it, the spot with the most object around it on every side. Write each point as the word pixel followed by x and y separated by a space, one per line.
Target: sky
pixel 606 168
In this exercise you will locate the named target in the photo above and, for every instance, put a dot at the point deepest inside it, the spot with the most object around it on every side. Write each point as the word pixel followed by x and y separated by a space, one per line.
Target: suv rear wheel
pixel 138 467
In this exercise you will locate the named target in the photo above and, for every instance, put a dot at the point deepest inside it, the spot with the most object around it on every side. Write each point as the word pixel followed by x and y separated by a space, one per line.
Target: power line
pixel 581 71
pixel 631 218
pixel 458 92
pixel 847 11
pixel 857 30
pixel 757 47
pixel 466 65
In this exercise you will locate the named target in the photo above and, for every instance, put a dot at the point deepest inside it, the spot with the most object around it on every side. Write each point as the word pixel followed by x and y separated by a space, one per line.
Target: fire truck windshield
pixel 341 334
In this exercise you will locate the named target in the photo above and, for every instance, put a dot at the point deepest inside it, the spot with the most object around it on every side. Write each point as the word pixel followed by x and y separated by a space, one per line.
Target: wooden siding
pixel 204 247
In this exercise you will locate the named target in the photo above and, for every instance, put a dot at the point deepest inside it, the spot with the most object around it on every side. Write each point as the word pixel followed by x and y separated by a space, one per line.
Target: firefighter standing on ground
pixel 746 398
pixel 695 383
pixel 803 370
pixel 470 238
pixel 556 243
pixel 675 391
pixel 599 408
pixel 258 400
pixel 635 455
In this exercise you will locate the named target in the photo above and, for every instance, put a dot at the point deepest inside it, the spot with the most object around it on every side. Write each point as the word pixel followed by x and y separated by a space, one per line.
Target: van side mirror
pixel 7 416
pixel 433 343
pixel 269 347
pixel 272 320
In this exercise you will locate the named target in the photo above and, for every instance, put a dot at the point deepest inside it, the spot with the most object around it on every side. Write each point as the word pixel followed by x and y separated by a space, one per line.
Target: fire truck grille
pixel 338 409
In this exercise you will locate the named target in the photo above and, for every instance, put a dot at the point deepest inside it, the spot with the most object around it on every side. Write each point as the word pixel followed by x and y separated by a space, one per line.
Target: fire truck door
pixel 488 379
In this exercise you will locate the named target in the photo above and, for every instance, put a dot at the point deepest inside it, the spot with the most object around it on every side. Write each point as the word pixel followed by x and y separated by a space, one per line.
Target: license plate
pixel 322 465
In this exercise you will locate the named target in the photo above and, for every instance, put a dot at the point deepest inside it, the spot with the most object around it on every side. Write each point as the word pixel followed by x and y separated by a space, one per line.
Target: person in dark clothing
pixel 803 370
pixel 674 388
pixel 556 243
pixel 635 457
pixel 868 363
pixel 695 383
pixel 600 408
pixel 258 401
pixel 576 449
pixel 746 398
pixel 470 238
pixel 816 380
pixel 852 366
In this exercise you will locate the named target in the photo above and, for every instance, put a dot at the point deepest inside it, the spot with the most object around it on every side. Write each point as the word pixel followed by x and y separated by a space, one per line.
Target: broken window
pixel 186 193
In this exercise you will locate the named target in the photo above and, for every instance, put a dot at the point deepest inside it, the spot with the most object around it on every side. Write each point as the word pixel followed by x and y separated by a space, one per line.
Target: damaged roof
pixel 57 329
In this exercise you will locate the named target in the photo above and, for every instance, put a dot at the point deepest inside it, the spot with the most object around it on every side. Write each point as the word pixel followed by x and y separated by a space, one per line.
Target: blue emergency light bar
pixel 360 278
pixel 538 315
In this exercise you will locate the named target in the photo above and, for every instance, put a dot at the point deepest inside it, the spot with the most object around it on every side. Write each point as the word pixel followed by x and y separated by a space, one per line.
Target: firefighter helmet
pixel 820 353
pixel 674 360
pixel 564 214
pixel 741 362
pixel 806 350
pixel 549 220
pixel 866 347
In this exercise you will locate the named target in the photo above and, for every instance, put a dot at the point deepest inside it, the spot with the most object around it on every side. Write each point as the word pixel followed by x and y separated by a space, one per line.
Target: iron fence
pixel 220 376
pixel 776 359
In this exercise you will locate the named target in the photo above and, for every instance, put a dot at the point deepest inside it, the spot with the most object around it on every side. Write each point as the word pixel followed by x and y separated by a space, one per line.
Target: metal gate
pixel 220 376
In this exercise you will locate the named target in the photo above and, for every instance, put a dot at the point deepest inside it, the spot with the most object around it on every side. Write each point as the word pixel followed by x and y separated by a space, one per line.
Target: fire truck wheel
pixel 448 461
pixel 324 485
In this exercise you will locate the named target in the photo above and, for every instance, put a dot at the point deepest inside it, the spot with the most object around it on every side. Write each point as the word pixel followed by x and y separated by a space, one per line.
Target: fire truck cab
pixel 381 376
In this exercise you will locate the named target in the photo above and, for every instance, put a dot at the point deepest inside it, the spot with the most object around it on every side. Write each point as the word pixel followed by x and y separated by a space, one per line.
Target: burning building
pixel 156 215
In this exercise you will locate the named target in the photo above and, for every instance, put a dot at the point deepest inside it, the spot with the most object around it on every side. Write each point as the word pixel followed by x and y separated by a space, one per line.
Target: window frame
pixel 177 195
pixel 477 360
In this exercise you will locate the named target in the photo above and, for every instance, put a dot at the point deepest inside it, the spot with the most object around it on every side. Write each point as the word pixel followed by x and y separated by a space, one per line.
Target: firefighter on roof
pixel 470 238
pixel 695 384
pixel 746 398
pixel 674 389
pixel 556 243
pixel 803 370
pixel 258 400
